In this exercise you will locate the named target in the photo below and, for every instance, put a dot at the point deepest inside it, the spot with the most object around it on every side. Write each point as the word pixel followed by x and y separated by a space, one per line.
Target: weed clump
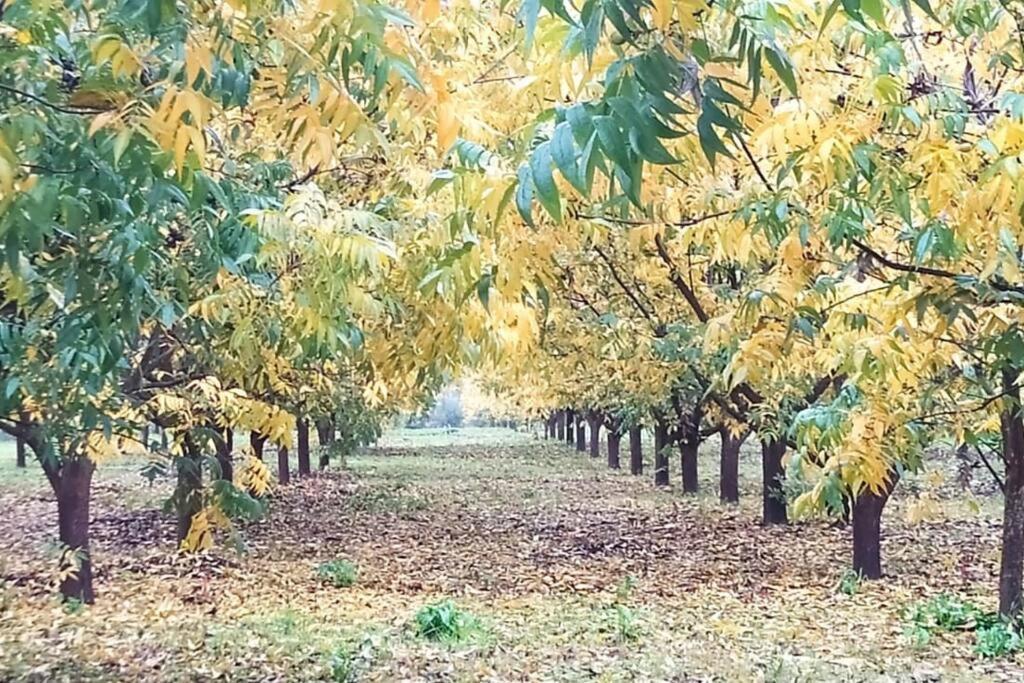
pixel 995 636
pixel 339 573
pixel 444 622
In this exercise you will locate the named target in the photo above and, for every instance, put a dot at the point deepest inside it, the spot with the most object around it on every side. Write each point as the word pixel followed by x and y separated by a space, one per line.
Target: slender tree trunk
pixel 729 475
pixel 74 492
pixel 773 475
pixel 660 453
pixel 145 437
pixel 1011 567
pixel 188 498
pixel 581 434
pixel 325 434
pixel 570 426
pixel 303 439
pixel 284 474
pixel 867 529
pixel 224 462
pixel 595 436
pixel 256 441
pixel 229 439
pixel 636 453
pixel 614 439
pixel 688 464
pixel 560 425
pixel 19 456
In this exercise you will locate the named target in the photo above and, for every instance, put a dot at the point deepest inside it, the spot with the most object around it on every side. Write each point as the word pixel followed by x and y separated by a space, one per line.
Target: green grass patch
pixel 338 573
pixel 445 622
pixel 995 636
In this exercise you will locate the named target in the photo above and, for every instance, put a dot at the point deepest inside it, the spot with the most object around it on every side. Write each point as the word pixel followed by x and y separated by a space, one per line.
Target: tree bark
pixel 867 529
pixel 1011 566
pixel 773 475
pixel 325 434
pixel 581 433
pixel 303 438
pixel 660 454
pixel 636 453
pixel 595 435
pixel 570 426
pixel 560 425
pixel 19 456
pixel 688 464
pixel 229 439
pixel 284 475
pixel 729 474
pixel 614 439
pixel 188 499
pixel 74 492
pixel 224 462
pixel 256 441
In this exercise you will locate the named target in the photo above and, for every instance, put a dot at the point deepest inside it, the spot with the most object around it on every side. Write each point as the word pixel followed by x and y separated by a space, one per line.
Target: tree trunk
pixel 19 447
pixel 256 441
pixel 614 438
pixel 74 491
pixel 773 474
pixel 595 436
pixel 636 453
pixel 188 499
pixel 225 465
pixel 660 453
pixel 560 425
pixel 284 475
pixel 325 434
pixel 729 474
pixel 303 439
pixel 570 426
pixel 145 437
pixel 581 434
pixel 229 439
pixel 1011 567
pixel 688 464
pixel 867 529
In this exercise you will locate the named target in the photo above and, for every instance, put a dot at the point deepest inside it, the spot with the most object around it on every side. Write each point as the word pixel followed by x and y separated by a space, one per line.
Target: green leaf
pixel 874 9
pixel 528 14
pixel 830 12
pixel 710 143
pixel 483 290
pixel 780 63
pixel 439 179
pixel 927 7
pixel 524 195
pixel 612 140
pixel 544 181
pixel 563 150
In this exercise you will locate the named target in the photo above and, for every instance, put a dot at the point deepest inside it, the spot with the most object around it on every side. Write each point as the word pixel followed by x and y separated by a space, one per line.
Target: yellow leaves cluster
pixel 201 530
pixel 173 132
pixel 124 63
pixel 254 476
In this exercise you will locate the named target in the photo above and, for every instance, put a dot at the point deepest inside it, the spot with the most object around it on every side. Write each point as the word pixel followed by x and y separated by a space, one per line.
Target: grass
pixel 338 573
pixel 578 572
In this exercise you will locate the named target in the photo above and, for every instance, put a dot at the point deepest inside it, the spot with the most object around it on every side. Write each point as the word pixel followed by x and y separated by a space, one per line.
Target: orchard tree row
pixel 799 222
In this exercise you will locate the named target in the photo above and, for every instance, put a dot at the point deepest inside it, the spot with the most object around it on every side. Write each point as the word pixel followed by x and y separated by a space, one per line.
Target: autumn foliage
pixel 244 228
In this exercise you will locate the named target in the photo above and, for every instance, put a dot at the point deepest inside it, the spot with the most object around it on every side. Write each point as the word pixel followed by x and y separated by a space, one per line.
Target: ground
pixel 571 572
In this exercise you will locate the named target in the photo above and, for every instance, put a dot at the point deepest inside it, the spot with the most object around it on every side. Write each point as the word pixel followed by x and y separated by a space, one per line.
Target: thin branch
pixel 927 270
pixel 679 282
pixel 992 471
pixel 80 111
pixel 632 297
